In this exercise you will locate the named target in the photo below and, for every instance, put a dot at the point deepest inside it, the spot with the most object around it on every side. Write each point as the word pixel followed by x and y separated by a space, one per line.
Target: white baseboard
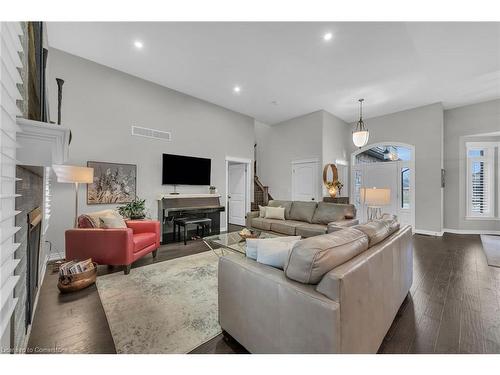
pixel 428 232
pixel 471 231
pixel 55 256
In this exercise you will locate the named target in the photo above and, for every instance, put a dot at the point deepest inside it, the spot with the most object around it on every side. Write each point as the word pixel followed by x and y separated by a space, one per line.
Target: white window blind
pixel 480 180
pixel 9 79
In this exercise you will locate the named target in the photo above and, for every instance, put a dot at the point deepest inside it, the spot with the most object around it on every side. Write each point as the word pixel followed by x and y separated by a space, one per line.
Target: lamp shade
pixel 376 197
pixel 360 138
pixel 72 173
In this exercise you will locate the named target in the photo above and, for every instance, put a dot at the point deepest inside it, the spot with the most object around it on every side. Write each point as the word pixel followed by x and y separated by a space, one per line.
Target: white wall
pixel 460 123
pixel 101 104
pixel 421 127
pixel 336 146
pixel 280 144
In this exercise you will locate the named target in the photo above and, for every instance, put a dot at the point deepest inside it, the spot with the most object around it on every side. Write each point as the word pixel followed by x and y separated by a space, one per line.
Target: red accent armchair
pixel 121 246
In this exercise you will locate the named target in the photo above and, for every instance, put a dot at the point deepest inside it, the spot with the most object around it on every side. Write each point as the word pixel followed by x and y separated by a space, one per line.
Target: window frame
pixel 488 159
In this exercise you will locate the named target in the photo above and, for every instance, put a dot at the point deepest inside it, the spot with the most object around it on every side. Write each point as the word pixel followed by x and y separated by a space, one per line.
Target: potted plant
pixel 212 189
pixel 134 210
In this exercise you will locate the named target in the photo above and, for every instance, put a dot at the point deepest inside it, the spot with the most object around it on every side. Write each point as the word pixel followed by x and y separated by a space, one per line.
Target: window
pixel 480 179
pixel 405 188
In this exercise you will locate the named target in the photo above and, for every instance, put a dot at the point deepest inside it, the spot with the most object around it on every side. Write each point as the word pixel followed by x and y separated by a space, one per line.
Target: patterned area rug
pixel 491 246
pixel 167 307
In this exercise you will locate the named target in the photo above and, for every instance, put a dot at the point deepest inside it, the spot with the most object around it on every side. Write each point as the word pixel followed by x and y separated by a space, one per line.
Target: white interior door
pixel 237 193
pixel 305 181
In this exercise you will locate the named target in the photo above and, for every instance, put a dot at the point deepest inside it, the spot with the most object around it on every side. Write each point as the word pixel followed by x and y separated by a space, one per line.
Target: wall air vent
pixel 151 133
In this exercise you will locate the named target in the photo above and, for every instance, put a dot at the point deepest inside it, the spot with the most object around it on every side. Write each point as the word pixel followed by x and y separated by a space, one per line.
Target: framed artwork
pixel 113 183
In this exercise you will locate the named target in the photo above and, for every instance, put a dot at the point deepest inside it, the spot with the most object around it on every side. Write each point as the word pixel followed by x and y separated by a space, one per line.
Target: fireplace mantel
pixel 41 143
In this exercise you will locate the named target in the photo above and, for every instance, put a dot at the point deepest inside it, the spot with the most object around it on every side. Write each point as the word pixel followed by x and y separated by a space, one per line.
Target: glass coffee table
pixel 232 241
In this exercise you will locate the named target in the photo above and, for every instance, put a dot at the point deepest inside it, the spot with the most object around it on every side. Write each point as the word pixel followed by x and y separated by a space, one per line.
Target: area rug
pixel 167 307
pixel 491 247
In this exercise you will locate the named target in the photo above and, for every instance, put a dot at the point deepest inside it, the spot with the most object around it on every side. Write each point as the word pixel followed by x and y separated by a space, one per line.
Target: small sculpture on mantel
pixel 60 83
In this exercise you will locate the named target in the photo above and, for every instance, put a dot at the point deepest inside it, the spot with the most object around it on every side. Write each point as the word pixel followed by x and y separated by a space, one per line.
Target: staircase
pixel 261 194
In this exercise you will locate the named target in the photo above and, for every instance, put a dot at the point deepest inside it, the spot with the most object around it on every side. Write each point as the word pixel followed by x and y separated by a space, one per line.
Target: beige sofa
pixel 305 219
pixel 338 293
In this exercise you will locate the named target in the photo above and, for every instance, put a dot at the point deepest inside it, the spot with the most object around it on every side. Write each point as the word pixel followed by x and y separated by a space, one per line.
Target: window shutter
pixel 480 194
pixel 9 94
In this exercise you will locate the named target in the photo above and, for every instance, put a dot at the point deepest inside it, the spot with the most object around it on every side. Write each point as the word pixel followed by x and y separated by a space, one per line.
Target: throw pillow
pixel 275 253
pixel 112 222
pixel 253 243
pixel 262 211
pixel 85 221
pixel 277 213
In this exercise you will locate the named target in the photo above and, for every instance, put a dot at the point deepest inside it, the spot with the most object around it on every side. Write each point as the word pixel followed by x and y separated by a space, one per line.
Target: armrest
pixel 105 246
pixel 251 215
pixel 268 313
pixel 370 289
pixel 144 226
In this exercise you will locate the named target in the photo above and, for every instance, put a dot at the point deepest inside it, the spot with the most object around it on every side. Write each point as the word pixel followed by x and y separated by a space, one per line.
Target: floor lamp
pixel 375 199
pixel 75 175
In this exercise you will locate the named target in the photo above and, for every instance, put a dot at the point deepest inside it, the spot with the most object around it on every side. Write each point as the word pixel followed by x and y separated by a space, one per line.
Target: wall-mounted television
pixel 185 170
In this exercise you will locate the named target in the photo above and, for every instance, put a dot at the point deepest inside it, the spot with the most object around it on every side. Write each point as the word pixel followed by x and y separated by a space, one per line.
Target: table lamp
pixel 76 175
pixel 375 199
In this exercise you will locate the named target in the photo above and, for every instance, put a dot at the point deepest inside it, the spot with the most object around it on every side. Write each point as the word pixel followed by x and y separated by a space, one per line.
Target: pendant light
pixel 360 135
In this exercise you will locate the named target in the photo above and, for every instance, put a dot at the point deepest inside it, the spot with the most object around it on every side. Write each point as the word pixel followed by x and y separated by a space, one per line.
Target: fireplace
pixel 34 231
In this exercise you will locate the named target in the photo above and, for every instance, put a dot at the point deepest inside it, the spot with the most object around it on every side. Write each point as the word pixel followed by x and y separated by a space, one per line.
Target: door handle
pixel 228 197
pixel 312 199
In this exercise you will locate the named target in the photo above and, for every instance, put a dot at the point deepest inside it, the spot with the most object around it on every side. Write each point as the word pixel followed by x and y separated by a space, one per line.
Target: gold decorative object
pixel 331 185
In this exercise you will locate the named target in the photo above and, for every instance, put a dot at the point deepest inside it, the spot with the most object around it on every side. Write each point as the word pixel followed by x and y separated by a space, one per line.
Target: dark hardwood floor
pixel 453 305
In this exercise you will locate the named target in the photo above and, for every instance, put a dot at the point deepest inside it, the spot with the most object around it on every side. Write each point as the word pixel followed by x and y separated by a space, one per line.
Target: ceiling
pixel 288 69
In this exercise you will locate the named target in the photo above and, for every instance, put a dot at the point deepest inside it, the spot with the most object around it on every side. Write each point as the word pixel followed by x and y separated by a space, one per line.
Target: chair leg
pixel 127 268
pixel 185 235
pixel 155 253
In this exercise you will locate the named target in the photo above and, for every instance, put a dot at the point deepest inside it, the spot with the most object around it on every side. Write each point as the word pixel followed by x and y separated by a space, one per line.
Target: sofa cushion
pixel 328 212
pixel 378 230
pixel 303 211
pixel 143 240
pixel 310 230
pixel 277 213
pixel 287 205
pixel 311 258
pixel 264 224
pixel 285 227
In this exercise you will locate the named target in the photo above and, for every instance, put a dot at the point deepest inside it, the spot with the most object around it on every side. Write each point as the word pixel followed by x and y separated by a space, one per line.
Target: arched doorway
pixel 389 165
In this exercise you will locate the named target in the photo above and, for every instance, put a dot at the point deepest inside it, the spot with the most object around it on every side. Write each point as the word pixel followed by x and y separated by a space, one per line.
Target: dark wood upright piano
pixel 188 205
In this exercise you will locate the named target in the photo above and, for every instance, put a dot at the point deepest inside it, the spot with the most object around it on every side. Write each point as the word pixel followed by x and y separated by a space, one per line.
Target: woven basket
pixel 77 281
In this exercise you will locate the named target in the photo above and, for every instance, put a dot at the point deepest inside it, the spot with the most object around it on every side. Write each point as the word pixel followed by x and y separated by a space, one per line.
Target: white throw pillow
pixel 277 213
pixel 275 253
pixel 112 222
pixel 262 211
pixel 253 243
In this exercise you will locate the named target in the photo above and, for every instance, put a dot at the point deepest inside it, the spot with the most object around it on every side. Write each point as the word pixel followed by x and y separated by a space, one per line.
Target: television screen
pixel 185 170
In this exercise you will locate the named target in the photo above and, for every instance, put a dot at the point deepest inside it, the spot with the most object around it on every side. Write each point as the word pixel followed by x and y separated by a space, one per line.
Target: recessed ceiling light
pixel 328 36
pixel 236 89
pixel 138 44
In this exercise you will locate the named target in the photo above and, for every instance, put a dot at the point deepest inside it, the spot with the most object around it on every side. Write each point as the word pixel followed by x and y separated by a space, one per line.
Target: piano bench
pixel 202 223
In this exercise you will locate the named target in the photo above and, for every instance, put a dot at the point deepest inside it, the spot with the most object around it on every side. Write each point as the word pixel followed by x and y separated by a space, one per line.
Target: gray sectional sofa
pixel 306 219
pixel 338 292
